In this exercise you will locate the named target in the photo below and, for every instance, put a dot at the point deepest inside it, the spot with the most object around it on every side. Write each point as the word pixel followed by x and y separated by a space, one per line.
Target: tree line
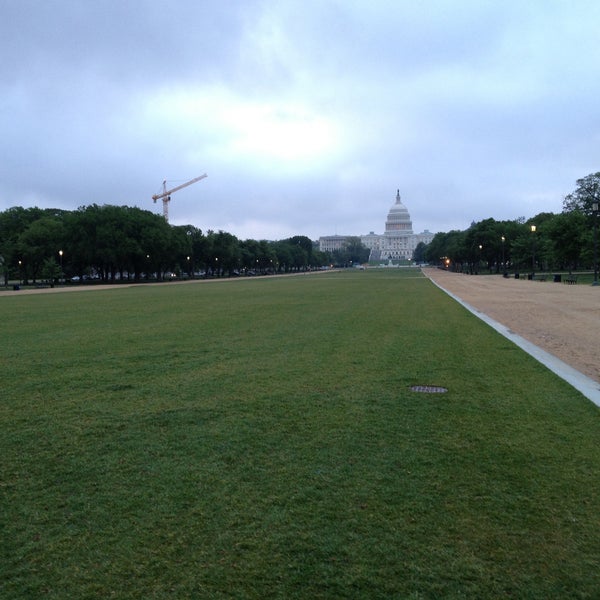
pixel 111 243
pixel 547 241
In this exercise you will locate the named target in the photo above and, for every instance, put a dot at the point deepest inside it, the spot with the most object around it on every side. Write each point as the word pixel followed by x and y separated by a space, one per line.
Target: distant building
pixel 330 243
pixel 397 243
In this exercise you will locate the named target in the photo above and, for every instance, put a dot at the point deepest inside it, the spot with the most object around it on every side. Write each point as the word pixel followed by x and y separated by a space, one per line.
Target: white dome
pixel 398 220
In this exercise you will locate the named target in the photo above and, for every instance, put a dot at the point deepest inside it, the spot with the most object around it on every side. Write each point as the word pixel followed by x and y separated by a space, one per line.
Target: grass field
pixel 259 439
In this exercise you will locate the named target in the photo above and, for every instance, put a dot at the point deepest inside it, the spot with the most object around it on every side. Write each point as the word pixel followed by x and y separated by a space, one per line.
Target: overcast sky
pixel 306 115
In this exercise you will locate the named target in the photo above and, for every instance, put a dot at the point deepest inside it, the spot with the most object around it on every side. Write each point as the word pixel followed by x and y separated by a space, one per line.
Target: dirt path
pixel 562 319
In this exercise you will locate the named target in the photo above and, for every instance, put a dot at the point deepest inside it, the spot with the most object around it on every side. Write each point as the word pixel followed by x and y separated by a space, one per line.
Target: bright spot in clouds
pixel 238 129
pixel 289 134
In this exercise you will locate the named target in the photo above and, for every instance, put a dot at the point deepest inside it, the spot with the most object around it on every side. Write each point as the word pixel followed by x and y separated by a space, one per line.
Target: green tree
pixel 181 249
pixel 419 252
pixel 42 239
pixel 155 239
pixel 299 255
pixel 357 252
pixel 320 259
pixel 226 252
pixel 283 253
pixel 584 195
pixel 80 245
pixel 51 271
pixel 352 251
pixel 305 243
pixel 13 223
pixel 447 246
pixel 249 252
pixel 568 234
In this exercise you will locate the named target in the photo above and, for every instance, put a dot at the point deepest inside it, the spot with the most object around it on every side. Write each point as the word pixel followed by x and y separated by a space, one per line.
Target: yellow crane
pixel 166 194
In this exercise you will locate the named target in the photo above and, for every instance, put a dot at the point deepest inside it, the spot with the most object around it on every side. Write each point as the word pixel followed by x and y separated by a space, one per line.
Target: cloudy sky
pixel 306 115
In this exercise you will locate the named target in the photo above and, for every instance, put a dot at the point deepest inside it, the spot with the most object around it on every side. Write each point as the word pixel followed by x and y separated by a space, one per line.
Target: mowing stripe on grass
pixel 260 439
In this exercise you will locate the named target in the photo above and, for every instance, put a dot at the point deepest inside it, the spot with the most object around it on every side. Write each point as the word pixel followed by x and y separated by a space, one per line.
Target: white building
pixel 398 242
pixel 330 243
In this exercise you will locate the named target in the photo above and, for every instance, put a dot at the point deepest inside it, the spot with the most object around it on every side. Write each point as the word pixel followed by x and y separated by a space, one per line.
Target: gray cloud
pixel 306 115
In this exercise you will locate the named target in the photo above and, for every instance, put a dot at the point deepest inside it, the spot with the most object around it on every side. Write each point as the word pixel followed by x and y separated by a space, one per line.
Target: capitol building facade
pixel 398 242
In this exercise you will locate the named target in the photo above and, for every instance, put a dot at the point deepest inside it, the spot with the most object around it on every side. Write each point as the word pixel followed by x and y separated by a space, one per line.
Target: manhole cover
pixel 429 389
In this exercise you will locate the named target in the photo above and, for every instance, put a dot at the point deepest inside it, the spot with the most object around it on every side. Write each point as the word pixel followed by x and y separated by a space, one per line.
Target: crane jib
pixel 179 187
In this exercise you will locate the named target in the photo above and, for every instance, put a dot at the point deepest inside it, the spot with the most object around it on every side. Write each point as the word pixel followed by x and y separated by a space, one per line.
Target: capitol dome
pixel 396 244
pixel 398 220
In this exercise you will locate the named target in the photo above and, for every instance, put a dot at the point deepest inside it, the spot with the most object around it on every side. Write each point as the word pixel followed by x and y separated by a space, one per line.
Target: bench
pixel 570 279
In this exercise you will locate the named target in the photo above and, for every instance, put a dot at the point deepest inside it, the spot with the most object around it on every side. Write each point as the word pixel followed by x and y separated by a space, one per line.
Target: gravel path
pixel 563 320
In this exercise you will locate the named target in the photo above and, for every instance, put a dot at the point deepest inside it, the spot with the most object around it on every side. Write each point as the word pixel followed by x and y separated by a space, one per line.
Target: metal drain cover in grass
pixel 429 389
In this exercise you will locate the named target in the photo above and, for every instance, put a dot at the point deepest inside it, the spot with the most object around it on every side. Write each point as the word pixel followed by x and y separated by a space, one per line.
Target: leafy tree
pixel 292 254
pixel 41 240
pixel 568 235
pixel 13 223
pixel 353 251
pixel 201 249
pixel 51 270
pixel 181 249
pixel 249 251
pixel 585 194
pixel 226 252
pixel 154 240
pixel 305 243
pixel 450 246
pixel 419 252
pixel 357 251
pixel 283 253
pixel 320 259
pixel 267 258
pixel 510 231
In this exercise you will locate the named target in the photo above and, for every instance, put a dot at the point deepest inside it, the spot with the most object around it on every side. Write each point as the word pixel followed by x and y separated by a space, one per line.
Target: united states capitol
pixel 397 244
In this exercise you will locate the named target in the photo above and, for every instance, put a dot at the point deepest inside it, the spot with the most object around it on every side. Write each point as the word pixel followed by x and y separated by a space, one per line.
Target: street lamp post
pixel 533 230
pixel 503 262
pixel 595 216
pixel 60 253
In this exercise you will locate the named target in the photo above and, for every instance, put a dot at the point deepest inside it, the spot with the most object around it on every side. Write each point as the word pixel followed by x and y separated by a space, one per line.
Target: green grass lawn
pixel 259 439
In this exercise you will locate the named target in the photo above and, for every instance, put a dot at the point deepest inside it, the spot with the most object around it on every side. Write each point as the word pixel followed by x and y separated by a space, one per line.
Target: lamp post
pixel 595 216
pixel 503 239
pixel 20 273
pixel 60 253
pixel 533 230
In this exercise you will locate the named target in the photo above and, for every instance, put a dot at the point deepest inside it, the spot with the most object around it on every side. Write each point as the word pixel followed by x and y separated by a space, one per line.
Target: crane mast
pixel 166 194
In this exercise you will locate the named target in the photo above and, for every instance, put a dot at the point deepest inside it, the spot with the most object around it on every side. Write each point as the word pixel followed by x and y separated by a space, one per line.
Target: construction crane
pixel 166 194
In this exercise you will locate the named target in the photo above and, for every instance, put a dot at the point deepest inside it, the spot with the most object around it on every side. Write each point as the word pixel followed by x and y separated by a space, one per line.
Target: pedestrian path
pixel 584 384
